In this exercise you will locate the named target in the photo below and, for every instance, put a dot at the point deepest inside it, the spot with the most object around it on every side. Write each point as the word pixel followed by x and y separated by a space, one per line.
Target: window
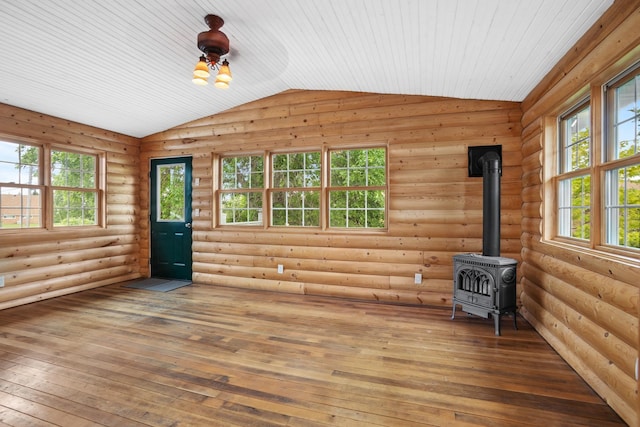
pixel 71 185
pixel 75 192
pixel 357 188
pixel 20 188
pixel 622 161
pixel 597 176
pixel 574 180
pixel 242 190
pixel 295 199
pixel 328 188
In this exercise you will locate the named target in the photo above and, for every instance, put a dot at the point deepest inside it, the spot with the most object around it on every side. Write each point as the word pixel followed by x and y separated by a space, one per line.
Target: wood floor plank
pixel 206 356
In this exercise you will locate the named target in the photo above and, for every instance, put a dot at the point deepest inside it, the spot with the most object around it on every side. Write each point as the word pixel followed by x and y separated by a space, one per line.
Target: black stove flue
pixel 486 284
pixel 490 204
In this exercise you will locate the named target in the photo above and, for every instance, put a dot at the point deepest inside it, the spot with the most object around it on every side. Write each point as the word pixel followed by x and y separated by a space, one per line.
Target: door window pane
pixel 171 192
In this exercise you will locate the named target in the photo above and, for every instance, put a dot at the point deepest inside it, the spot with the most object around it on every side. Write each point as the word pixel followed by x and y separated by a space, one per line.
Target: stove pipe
pixel 490 203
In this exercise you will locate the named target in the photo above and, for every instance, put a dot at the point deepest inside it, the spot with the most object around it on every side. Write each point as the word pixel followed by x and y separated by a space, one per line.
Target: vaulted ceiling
pixel 126 65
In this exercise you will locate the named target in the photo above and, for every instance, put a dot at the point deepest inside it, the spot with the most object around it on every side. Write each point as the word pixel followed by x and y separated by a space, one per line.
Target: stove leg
pixel 453 315
pixel 515 324
pixel 496 321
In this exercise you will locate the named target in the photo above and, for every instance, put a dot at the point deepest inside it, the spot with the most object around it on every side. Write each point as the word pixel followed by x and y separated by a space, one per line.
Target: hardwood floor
pixel 208 356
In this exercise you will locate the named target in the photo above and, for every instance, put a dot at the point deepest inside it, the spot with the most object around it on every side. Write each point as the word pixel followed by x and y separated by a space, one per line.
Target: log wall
pixel 40 264
pixel 583 303
pixel 435 209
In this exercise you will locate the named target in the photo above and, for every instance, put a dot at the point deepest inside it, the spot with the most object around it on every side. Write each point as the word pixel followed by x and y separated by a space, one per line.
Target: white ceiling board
pixel 125 65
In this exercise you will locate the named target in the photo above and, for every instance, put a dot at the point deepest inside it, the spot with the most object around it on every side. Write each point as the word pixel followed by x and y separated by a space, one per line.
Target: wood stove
pixel 486 284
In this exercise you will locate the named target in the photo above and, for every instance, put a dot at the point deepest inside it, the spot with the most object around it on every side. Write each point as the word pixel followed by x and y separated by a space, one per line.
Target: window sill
pixel 610 253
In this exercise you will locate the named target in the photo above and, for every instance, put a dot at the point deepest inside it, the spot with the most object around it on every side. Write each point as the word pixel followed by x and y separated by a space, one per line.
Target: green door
pixel 170 215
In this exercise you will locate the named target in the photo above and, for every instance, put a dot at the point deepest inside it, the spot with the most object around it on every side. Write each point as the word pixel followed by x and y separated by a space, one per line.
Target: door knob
pixel 187 224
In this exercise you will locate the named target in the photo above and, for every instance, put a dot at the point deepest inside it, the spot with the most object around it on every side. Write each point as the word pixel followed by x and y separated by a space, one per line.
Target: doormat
pixel 156 284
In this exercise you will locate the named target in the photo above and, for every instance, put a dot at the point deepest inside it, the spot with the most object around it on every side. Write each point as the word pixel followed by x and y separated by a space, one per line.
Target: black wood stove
pixel 486 284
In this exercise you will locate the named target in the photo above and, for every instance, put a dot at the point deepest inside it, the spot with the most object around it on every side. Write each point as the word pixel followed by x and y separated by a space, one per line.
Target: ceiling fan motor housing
pixel 214 43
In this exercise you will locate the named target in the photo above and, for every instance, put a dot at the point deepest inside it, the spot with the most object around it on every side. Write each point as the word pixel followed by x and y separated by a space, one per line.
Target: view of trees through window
pixel 72 178
pixel 356 189
pixel 171 189
pixel 300 175
pixel 241 193
pixel 622 184
pixel 620 191
pixel 574 192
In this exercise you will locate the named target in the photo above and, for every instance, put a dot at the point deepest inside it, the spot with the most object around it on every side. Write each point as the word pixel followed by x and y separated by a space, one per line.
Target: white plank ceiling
pixel 126 65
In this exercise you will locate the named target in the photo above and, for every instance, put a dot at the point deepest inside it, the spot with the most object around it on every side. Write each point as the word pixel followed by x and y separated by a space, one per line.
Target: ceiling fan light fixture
pixel 221 84
pixel 200 81
pixel 224 74
pixel 202 69
pixel 214 44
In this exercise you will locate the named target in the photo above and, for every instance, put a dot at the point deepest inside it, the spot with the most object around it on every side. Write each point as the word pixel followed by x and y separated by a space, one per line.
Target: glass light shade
pixel 201 70
pixel 200 81
pixel 220 84
pixel 225 73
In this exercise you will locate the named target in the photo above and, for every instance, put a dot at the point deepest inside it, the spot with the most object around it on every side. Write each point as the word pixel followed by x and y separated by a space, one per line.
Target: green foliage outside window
pixel 71 172
pixel 575 207
pixel 623 213
pixel 171 195
pixel 299 173
pixel 622 188
pixel 357 209
pixel 574 193
pixel 72 176
pixel 351 203
pixel 356 192
pixel 242 173
pixel 241 208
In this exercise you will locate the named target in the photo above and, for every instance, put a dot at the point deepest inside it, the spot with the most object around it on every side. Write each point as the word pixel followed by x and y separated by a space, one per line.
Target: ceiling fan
pixel 214 44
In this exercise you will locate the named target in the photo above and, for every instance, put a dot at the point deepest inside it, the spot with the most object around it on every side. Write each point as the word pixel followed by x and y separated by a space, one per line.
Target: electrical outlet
pixel 1 281
pixel 280 268
pixel 417 279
